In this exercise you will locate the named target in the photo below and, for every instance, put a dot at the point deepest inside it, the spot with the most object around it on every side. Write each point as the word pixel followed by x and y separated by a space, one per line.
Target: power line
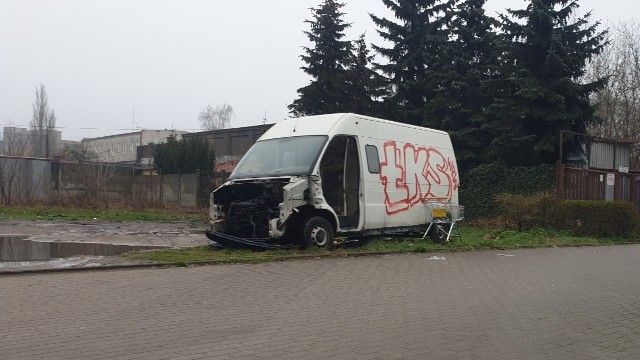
pixel 92 128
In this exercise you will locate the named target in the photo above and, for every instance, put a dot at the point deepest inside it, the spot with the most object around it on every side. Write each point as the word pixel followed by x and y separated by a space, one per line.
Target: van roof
pixel 323 124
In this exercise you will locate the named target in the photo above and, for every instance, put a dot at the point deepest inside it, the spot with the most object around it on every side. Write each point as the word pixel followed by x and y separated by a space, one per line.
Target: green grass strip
pixel 80 214
pixel 473 239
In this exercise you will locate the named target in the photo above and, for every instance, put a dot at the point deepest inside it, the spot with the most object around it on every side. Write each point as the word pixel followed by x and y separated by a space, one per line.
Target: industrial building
pixel 122 148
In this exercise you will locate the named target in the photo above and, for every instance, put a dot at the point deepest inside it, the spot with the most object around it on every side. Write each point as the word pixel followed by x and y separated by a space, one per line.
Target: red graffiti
pixel 411 174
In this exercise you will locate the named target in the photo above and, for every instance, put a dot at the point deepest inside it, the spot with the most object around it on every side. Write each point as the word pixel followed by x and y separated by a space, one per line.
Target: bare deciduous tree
pixel 98 179
pixel 619 102
pixel 79 152
pixel 14 145
pixel 216 118
pixel 43 120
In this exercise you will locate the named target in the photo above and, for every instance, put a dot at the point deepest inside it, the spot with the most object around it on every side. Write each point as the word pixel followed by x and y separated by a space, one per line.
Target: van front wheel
pixel 316 231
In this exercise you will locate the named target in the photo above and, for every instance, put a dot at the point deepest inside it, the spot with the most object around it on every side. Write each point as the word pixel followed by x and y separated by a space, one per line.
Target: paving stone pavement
pixel 564 303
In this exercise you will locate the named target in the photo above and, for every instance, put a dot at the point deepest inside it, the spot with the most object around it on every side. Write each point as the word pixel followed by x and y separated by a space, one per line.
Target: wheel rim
pixel 319 236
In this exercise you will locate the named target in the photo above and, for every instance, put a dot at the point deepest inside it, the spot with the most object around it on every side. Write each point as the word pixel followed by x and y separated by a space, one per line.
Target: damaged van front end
pixel 257 208
pixel 261 213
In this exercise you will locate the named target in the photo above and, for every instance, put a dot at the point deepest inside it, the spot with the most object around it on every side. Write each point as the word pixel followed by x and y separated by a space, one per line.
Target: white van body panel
pixel 380 195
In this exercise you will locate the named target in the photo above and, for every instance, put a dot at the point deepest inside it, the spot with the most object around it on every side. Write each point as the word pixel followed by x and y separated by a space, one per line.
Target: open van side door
pixel 340 173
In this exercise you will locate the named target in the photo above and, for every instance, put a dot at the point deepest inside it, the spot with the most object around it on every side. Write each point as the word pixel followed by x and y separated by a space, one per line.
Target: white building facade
pixel 122 148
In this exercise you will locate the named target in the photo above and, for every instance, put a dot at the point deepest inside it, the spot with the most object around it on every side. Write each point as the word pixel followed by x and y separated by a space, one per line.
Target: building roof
pixel 134 133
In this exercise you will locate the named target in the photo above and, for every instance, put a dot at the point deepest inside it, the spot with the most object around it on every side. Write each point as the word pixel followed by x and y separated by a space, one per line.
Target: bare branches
pixel 79 152
pixel 43 120
pixel 216 118
pixel 619 102
pixel 14 144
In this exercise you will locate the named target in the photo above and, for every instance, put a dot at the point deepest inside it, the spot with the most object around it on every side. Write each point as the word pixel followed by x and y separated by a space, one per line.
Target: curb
pixel 294 257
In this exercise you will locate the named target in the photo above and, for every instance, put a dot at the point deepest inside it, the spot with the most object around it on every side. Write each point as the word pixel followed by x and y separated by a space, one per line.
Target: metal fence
pixel 584 184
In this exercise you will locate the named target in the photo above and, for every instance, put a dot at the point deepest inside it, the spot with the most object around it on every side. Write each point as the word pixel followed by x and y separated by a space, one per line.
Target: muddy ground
pixel 122 233
pixel 145 234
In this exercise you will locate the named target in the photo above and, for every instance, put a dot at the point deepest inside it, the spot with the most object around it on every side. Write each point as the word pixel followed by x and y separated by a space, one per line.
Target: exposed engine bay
pixel 244 209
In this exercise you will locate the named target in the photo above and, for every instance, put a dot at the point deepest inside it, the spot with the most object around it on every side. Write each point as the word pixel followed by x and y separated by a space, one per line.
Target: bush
pixel 581 217
pixel 481 184
pixel 595 217
pixel 526 212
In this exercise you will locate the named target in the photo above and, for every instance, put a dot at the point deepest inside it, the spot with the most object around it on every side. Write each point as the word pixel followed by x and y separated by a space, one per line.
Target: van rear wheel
pixel 316 231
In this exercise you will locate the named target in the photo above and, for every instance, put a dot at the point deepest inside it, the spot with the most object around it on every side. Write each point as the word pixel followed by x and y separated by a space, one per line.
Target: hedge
pixel 483 183
pixel 582 217
pixel 596 218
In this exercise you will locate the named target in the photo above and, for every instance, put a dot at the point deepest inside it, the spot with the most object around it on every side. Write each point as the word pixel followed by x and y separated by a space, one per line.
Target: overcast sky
pixel 112 65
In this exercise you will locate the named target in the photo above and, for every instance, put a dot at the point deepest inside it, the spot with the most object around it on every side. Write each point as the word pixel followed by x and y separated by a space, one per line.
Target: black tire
pixel 438 233
pixel 316 231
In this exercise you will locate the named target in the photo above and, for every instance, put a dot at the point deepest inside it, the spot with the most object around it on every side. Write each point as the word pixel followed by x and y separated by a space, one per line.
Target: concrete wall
pixel 42 180
pixel 24 179
pixel 123 184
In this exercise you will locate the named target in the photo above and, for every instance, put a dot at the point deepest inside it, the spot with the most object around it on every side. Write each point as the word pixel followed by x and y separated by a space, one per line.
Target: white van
pixel 309 179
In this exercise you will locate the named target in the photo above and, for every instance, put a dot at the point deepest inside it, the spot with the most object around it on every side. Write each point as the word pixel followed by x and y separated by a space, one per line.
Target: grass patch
pixel 80 214
pixel 473 239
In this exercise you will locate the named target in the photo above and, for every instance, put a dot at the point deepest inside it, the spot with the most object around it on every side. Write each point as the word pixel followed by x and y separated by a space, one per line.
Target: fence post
pixel 59 178
pixel 198 188
pixel 560 180
pixel 133 174
pixel 162 188
pixel 180 188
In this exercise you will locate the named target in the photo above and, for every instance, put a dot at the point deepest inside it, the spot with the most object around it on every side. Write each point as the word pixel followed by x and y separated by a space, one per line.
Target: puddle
pixel 79 261
pixel 16 249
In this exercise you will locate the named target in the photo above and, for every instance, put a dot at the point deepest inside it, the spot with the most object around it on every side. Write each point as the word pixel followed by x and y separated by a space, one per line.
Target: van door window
pixel 373 160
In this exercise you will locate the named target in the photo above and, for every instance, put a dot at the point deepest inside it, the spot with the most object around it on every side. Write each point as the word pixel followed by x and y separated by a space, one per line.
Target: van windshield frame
pixel 288 156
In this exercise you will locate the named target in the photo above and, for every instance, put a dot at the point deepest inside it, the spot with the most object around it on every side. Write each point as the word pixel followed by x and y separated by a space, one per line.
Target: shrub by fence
pixel 596 217
pixel 582 217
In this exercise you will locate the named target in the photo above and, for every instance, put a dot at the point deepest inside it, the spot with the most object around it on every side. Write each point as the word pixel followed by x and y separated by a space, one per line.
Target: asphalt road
pixel 564 303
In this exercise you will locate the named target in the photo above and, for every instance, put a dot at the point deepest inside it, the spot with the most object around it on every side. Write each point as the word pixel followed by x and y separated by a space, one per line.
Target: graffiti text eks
pixel 412 173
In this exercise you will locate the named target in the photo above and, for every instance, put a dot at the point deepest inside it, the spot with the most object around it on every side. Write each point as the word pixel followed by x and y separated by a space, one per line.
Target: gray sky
pixel 108 63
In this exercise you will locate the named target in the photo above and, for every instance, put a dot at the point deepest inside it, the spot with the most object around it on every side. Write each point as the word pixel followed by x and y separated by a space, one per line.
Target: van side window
pixel 373 161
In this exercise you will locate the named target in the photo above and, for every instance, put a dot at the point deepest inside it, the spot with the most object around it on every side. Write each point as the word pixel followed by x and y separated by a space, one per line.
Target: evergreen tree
pixel 414 55
pixel 464 83
pixel 548 54
pixel 326 62
pixel 183 156
pixel 364 85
